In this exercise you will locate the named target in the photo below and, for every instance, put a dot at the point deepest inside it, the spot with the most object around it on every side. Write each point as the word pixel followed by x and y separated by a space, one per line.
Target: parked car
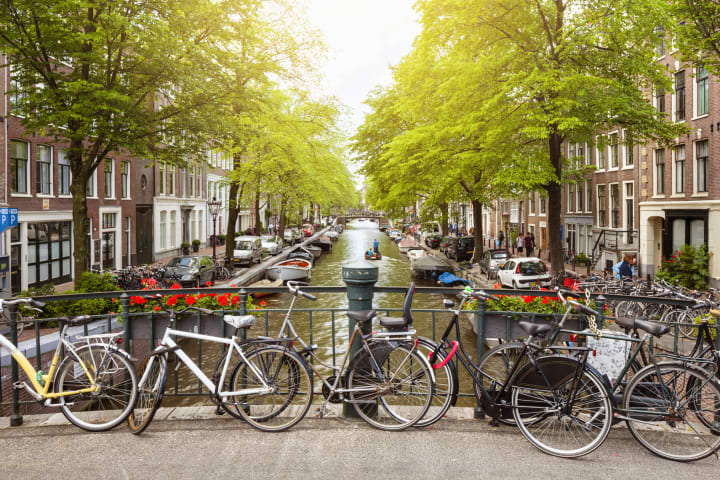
pixel 248 249
pixel 308 230
pixel 433 240
pixel 270 244
pixel 460 248
pixel 444 241
pixel 190 271
pixel 524 272
pixel 492 261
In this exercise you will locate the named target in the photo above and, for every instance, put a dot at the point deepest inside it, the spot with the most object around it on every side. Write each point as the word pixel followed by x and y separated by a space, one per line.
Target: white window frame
pixel 675 192
pixel 569 197
pixel 171 180
pixel 588 196
pixel 28 167
pixel 126 183
pixel 600 151
pixel 63 153
pixel 608 158
pixel 117 229
pixel 627 152
pixel 696 115
pixel 655 172
pixel 579 196
pixel 172 222
pixel 162 168
pixel 696 192
pixel 92 181
pixel 610 205
pixel 597 202
pixel 163 229
pixel 109 195
pixel 531 201
pixel 50 170
pixel 675 96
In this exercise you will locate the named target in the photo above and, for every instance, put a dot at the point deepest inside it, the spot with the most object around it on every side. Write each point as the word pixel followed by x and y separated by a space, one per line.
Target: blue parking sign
pixel 8 218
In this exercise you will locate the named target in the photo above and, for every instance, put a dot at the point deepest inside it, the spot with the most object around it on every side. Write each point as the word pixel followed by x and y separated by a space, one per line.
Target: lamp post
pixel 214 207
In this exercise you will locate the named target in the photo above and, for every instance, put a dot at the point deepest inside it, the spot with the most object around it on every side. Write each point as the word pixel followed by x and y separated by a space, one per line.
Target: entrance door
pixel 143 235
pixel 108 250
pixel 15 268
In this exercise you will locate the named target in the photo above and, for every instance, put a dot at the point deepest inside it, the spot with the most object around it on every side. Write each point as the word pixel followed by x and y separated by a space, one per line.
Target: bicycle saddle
pixel 362 316
pixel 647 326
pixel 535 328
pixel 239 321
pixel 77 320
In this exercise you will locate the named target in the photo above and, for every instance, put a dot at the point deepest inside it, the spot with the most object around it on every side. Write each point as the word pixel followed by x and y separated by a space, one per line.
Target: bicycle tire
pixel 445 387
pixel 688 391
pixel 151 389
pixel 495 366
pixel 398 402
pixel 564 421
pixel 283 370
pixel 117 378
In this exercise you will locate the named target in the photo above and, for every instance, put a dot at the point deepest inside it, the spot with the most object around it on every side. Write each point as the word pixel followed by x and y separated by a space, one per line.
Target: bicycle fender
pixel 380 351
pixel 550 371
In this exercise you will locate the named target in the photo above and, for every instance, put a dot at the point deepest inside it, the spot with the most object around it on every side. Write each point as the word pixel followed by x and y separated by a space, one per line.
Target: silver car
pixel 271 244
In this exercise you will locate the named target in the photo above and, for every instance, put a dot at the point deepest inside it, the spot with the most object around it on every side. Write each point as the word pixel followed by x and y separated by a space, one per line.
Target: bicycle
pixel 221 272
pixel 269 387
pixel 388 382
pixel 96 376
pixel 561 406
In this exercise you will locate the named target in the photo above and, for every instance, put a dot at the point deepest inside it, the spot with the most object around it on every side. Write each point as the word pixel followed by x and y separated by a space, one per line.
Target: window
pixel 680 96
pixel 614 205
pixel 660 171
pixel 680 169
pixel 108 220
pixel 125 179
pixel 628 147
pixel 44 170
pixel 191 181
pixel 602 206
pixel 173 232
pixel 580 196
pixel 588 193
pixel 701 166
pixel 109 178
pixel 163 229
pixel 17 91
pixel 701 81
pixel 18 167
pixel 614 151
pixel 570 197
pixel 171 180
pixel 90 189
pixel 601 157
pixel 531 204
pixel 48 253
pixel 162 179
pixel 660 41
pixel 542 205
pixel 660 99
pixel 629 211
pixel 63 173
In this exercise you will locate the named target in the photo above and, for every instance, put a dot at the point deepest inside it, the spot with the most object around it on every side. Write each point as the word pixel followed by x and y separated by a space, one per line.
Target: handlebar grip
pixel 584 308
pixel 203 310
pixel 38 303
pixel 307 295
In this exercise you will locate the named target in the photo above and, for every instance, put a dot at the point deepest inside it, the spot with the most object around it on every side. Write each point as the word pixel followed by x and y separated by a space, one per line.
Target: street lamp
pixel 214 208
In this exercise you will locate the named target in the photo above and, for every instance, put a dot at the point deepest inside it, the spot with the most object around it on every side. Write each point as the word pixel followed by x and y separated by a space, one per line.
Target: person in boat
pixel 376 246
pixel 370 252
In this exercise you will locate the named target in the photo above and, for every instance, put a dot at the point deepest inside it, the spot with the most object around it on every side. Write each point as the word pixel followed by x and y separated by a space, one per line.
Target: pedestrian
pixel 520 243
pixel 532 242
pixel 376 246
pixel 528 244
pixel 625 270
pixel 501 238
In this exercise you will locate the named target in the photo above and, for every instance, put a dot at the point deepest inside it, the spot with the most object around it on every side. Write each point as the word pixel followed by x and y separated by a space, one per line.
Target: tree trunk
pixel 478 227
pixel 281 220
pixel 258 224
pixel 444 218
pixel 81 226
pixel 554 192
pixel 236 192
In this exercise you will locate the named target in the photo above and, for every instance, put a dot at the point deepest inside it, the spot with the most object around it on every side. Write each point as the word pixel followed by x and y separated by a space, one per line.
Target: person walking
pixel 501 238
pixel 520 243
pixel 532 242
pixel 528 244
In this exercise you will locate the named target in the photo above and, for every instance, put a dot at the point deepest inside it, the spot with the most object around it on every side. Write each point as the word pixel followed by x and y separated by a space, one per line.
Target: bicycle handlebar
pixel 293 286
pixel 29 301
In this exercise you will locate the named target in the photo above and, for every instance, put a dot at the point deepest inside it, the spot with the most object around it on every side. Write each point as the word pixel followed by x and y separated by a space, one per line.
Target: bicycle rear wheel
pixel 151 388
pixel 445 388
pixel 673 410
pixel 115 383
pixel 495 366
pixel 568 419
pixel 290 395
pixel 398 396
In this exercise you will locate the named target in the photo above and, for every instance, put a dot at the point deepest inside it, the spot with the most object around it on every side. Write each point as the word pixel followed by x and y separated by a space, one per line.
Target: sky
pixel 364 38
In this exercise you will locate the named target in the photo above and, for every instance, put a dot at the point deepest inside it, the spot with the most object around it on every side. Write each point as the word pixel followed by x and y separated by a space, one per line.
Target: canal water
pixel 329 331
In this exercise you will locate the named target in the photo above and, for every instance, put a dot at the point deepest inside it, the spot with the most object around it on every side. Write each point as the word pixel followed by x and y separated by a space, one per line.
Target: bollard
pixel 16 419
pixel 478 412
pixel 360 277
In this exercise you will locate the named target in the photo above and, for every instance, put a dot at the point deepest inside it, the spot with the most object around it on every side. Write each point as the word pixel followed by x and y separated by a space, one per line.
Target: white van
pixel 248 250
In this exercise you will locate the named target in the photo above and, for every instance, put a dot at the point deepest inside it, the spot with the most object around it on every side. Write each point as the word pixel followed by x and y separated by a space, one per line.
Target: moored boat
pixel 406 244
pixel 291 269
pixel 429 266
pixel 332 235
pixel 324 243
pixel 265 283
pixel 316 251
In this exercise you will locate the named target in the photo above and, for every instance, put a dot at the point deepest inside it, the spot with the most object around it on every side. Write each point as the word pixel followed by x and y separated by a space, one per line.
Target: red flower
pixel 263 303
pixel 175 286
pixel 172 300
pixel 112 300
pixel 211 294
pixel 232 284
pixel 138 300
pixel 497 286
pixel 235 299
pixel 545 300
pixel 208 283
pixel 190 300
pixel 201 295
pixel 222 300
pixel 157 308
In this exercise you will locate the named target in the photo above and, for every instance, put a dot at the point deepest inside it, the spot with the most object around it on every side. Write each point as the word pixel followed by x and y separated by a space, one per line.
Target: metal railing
pixel 141 330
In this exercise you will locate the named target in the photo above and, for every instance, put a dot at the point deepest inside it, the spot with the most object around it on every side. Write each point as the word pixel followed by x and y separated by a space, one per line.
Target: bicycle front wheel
pixel 673 410
pixel 569 419
pixel 151 388
pixel 495 367
pixel 445 387
pixel 283 389
pixel 112 385
pixel 397 396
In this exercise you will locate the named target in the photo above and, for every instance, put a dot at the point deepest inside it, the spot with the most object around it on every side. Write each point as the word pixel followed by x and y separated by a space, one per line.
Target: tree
pixel 123 76
pixel 697 30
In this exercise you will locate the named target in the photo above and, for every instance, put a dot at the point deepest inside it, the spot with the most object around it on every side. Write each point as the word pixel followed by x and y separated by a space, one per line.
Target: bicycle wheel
pixel 684 319
pixel 151 388
pixel 495 366
pixel 673 411
pixel 114 378
pixel 570 419
pixel 290 384
pixel 445 388
pixel 398 399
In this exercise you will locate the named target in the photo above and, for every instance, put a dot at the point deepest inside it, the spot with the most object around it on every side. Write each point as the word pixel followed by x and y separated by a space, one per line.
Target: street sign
pixel 4 264
pixel 8 218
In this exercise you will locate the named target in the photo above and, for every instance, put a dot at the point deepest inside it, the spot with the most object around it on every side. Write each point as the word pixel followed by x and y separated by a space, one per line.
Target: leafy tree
pixel 697 30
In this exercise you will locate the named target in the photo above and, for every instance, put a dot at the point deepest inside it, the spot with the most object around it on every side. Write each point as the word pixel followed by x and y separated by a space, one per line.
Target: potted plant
pixel 185 248
pixel 196 245
pixel 221 239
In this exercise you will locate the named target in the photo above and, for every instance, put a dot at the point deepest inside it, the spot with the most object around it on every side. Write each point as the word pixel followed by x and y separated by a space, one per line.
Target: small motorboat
pixel 414 253
pixel 332 235
pixel 291 269
pixel 324 243
pixel 265 283
pixel 303 254
pixel 407 243
pixel 374 256
pixel 316 251
pixel 429 266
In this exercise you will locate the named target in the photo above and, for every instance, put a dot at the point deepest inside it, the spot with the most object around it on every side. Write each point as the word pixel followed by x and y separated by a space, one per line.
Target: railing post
pixel 16 419
pixel 125 304
pixel 242 307
pixel 479 413
pixel 360 278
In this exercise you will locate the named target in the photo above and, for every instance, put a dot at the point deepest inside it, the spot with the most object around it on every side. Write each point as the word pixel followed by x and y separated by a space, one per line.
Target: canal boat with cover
pixel 316 251
pixel 408 243
pixel 430 267
pixel 291 269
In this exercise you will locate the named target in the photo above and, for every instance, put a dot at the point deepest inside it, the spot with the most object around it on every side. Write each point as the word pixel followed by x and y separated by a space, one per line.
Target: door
pixel 143 235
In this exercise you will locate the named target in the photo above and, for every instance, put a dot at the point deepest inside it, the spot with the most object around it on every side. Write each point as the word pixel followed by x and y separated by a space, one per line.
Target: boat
pixel 303 254
pixel 265 283
pixel 407 243
pixel 430 267
pixel 374 256
pixel 414 253
pixel 291 269
pixel 324 243
pixel 332 235
pixel 316 251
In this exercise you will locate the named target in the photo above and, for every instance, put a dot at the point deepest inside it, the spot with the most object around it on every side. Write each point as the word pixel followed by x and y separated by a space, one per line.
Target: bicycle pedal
pixel 219 411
